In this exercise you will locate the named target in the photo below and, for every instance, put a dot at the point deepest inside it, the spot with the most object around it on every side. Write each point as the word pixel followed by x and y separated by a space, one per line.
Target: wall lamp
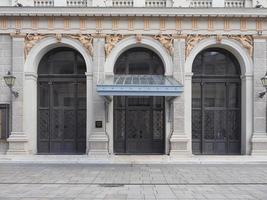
pixel 10 81
pixel 264 84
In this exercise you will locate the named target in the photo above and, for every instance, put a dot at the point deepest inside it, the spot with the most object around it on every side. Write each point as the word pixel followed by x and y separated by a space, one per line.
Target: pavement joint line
pixel 129 184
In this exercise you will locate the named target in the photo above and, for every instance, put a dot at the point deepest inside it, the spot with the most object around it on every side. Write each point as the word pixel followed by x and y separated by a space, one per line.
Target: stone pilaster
pixel 179 139
pixel 259 139
pixel 17 139
pixel 98 139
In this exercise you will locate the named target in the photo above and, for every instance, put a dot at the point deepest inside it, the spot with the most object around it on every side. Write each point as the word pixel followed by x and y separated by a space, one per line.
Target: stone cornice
pixel 111 11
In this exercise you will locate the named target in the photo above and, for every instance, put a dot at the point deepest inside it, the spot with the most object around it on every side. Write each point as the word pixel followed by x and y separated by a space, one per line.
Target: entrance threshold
pixel 131 159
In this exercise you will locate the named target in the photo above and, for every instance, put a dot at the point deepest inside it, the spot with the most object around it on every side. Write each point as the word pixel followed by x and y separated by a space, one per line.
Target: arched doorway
pixel 139 121
pixel 61 102
pixel 216 103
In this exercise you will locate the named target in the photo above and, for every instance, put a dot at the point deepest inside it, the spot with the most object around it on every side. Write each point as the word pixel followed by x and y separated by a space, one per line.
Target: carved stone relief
pixel 245 40
pixel 32 39
pixel 86 40
pixel 166 41
pixel 111 41
pixel 191 42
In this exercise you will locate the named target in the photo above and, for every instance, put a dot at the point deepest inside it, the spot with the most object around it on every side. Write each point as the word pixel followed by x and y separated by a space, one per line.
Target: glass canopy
pixel 139 85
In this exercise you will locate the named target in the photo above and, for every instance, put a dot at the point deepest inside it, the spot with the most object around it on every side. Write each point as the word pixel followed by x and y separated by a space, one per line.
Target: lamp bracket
pixel 261 94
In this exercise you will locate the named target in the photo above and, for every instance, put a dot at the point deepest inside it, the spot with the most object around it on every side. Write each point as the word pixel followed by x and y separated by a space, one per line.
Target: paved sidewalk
pixel 130 181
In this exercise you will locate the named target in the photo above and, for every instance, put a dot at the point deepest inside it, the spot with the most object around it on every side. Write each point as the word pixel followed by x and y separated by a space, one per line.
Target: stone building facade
pixel 190 79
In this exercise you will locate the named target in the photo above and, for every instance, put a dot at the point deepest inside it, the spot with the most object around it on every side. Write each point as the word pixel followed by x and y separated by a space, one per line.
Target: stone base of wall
pixel 3 147
pixel 17 142
pixel 98 145
pixel 259 144
pixel 180 145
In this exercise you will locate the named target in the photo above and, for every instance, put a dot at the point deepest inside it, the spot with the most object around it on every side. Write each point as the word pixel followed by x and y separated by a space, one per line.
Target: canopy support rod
pixel 107 100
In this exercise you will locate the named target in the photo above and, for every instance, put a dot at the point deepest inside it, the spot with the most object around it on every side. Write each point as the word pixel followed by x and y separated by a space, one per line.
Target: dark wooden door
pixel 62 117
pixel 139 125
pixel 216 123
pixel 216 103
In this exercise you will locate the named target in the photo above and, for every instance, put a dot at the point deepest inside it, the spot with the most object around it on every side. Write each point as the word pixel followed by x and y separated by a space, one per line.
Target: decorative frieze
pixel 146 23
pixel 166 41
pixel 83 23
pixel 259 24
pixel 4 23
pixel 210 24
pixel 66 23
pixel 50 23
pixel 18 24
pixel 243 24
pixel 35 23
pixel 162 23
pixel 194 23
pixel 130 24
pixel 99 24
pixel 111 41
pixel 178 24
pixel 227 25
pixel 115 24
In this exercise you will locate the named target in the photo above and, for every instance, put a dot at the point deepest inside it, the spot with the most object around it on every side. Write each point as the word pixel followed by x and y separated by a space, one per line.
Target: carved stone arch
pixel 231 45
pixel 30 83
pixel 246 65
pixel 49 43
pixel 146 42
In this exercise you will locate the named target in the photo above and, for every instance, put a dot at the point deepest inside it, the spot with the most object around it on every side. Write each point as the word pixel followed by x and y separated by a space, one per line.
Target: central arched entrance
pixel 216 103
pixel 139 121
pixel 61 103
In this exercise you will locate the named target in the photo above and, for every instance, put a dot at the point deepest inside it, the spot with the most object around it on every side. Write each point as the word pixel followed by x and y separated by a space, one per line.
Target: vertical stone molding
pixel 181 137
pixel 98 139
pixel 17 139
pixel 259 139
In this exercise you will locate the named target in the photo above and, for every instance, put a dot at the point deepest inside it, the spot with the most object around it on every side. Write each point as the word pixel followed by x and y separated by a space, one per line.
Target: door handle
pixel 140 134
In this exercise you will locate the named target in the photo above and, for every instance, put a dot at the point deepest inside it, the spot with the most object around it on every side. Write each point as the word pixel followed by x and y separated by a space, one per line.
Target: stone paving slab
pixel 91 181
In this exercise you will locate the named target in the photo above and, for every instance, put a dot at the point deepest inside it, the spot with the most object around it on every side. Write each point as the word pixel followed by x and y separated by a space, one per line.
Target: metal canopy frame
pixel 140 85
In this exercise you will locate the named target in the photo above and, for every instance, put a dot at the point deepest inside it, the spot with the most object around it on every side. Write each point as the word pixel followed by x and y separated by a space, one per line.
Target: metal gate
pixel 139 125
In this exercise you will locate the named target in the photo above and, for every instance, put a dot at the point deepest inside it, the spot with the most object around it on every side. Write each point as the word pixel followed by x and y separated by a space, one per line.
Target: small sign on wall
pixel 98 124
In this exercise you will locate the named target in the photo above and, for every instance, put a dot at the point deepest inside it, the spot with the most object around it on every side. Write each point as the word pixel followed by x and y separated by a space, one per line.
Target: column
pixel 30 110
pixel 98 138
pixel 259 139
pixel 17 140
pixel 179 140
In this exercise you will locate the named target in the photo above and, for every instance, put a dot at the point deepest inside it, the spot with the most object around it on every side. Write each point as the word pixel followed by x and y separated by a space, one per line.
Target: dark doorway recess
pixel 139 121
pixel 216 103
pixel 62 103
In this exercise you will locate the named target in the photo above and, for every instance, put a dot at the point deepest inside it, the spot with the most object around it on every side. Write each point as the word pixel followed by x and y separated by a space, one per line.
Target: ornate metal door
pixel 139 125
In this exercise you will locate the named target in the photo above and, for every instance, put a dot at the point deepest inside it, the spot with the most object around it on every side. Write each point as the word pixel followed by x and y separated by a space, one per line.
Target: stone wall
pixel 5 65
pixel 259 139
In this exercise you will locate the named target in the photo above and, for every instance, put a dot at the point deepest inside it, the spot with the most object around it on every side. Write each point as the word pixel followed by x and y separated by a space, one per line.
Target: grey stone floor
pixel 91 181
